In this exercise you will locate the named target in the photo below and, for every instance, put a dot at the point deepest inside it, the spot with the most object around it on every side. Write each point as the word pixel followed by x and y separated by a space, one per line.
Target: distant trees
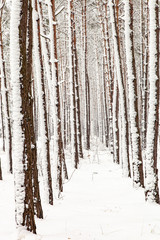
pixel 80 71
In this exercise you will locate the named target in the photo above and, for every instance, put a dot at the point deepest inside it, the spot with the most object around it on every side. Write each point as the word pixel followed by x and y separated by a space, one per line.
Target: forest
pixel 79 119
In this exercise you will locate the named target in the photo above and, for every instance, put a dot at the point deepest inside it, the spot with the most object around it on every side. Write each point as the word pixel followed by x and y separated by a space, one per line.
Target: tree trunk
pixel 151 188
pixel 47 178
pixel 24 141
pixel 5 100
pixel 72 87
pixel 126 162
pixel 0 170
pixel 133 98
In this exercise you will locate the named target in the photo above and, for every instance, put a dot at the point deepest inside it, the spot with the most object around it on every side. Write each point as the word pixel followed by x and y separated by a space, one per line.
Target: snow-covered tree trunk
pixel 72 87
pixel 108 72
pixel 5 99
pixel 77 97
pixel 47 178
pixel 24 142
pixel 87 84
pixel 151 183
pixel 0 170
pixel 145 10
pixel 58 143
pixel 133 98
pixel 46 63
pixel 106 125
pixel 110 78
pixel 118 66
pixel 115 123
pixel 2 124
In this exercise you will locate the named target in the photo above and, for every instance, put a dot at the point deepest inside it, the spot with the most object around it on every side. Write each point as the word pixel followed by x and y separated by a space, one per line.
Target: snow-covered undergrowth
pixel 97 204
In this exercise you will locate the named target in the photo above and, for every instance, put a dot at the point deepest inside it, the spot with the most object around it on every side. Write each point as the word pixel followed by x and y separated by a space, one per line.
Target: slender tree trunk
pixel 145 78
pixel 72 87
pixel 115 124
pixel 133 98
pixel 5 99
pixel 87 85
pixel 126 162
pixel 0 170
pixel 77 97
pixel 105 105
pixel 2 120
pixel 47 179
pixel 151 188
pixel 58 143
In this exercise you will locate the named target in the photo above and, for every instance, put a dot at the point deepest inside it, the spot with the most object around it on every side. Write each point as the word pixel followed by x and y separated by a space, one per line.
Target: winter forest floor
pixel 97 204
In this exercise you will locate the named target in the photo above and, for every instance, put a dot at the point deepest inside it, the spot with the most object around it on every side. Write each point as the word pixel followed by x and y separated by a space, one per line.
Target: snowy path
pixel 97 204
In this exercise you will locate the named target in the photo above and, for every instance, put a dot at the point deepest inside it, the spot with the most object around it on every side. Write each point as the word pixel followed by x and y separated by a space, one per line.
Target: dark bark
pixel 73 97
pixel 77 96
pixel 1 178
pixel 61 156
pixel 49 177
pixel 135 92
pixel 87 84
pixel 123 93
pixel 32 197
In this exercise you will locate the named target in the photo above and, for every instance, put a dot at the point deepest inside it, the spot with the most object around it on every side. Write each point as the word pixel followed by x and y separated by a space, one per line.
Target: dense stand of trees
pixel 78 70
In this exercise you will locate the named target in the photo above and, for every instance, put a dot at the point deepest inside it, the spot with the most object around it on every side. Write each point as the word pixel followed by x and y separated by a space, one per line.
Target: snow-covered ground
pixel 97 204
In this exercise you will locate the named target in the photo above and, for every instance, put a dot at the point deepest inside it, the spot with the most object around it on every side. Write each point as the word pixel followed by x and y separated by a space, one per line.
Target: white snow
pixel 17 115
pixel 97 204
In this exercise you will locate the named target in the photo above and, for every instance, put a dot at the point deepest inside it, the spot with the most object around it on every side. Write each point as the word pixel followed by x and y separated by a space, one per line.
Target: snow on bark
pixel 125 157
pixel 133 101
pixel 58 143
pixel 151 182
pixel 115 124
pixel 4 104
pixel 18 139
pixel 71 75
pixel 72 91
pixel 46 59
pixel 40 103
pixel 52 84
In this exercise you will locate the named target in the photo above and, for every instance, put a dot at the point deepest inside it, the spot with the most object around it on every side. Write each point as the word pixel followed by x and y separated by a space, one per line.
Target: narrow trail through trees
pixel 97 203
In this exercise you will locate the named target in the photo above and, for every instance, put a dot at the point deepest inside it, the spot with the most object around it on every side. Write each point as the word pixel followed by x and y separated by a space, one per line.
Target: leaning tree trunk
pixel 151 184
